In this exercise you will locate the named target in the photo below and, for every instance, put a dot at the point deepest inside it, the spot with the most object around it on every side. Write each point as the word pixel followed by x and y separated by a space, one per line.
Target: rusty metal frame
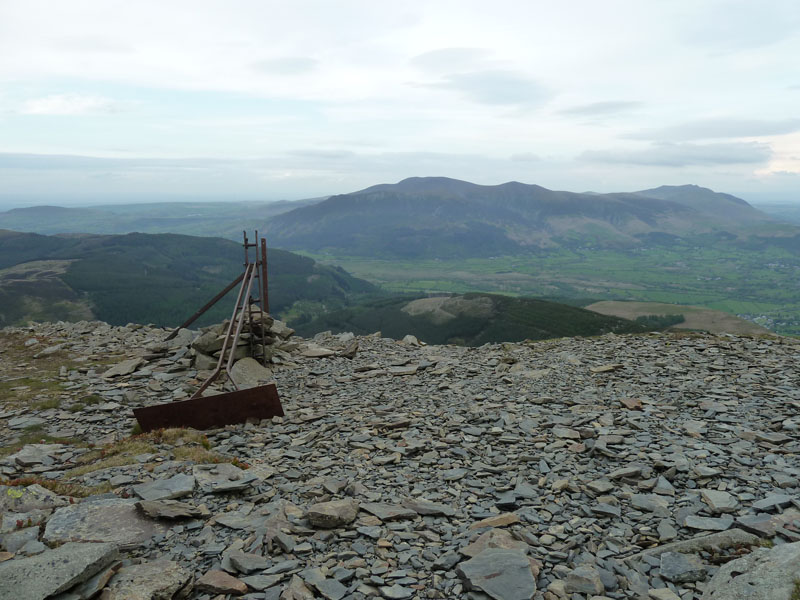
pixel 231 407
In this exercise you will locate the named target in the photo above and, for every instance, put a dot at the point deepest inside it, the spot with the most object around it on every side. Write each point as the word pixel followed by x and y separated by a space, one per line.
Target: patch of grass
pixel 796 591
pixel 92 399
pixel 47 404
pixel 59 487
pixel 188 445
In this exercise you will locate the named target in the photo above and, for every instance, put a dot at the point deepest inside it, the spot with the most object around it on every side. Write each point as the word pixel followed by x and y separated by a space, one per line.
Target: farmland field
pixel 762 286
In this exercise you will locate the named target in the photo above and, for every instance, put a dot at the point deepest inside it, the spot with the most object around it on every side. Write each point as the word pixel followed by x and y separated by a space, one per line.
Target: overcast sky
pixel 104 101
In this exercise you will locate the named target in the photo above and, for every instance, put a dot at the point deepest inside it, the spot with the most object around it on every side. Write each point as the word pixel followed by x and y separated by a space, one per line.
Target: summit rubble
pixel 623 466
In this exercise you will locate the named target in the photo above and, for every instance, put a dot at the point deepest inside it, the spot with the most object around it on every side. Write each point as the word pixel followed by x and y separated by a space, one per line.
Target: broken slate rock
pixel 219 582
pixel 165 489
pixel 428 508
pixel 682 568
pixel 222 478
pixel 102 519
pixel 494 538
pixel 248 373
pixel 53 571
pixel 719 502
pixel 126 367
pixel 584 580
pixel 150 581
pixel 767 525
pixel 388 512
pixel 335 513
pixel 170 509
pixel 764 574
pixel 502 574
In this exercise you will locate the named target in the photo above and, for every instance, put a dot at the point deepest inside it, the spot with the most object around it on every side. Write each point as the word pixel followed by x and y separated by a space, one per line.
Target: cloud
pixel 68 104
pixel 601 108
pixel 702 129
pixel 287 65
pixel 449 59
pixel 682 155
pixel 526 157
pixel 323 154
pixel 497 87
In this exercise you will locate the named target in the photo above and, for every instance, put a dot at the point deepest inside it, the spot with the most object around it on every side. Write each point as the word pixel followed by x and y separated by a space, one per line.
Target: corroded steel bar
pixel 208 305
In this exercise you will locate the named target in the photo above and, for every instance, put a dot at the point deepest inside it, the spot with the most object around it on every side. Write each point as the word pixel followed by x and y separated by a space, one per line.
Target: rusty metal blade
pixel 260 402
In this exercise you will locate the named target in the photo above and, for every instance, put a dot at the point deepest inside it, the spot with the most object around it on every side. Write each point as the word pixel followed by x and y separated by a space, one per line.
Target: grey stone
pixel 169 509
pixel 165 489
pixel 708 523
pixel 335 513
pixel 722 540
pixel 101 520
pixel 502 574
pixel 494 538
pixel 54 571
pixel 681 568
pixel 388 512
pixel 719 502
pixel 651 503
pixel 396 591
pixel 425 507
pixel 222 478
pixel 248 563
pixel 773 502
pixel 219 582
pixel 764 574
pixel 767 525
pixel 584 580
pixel 126 367
pixel 248 372
pixel 15 540
pixel 25 422
pixel 330 589
pixel 262 582
pixel 157 580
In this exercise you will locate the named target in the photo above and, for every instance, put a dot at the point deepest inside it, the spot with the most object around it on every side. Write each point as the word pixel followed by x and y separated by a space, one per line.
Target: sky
pixel 104 101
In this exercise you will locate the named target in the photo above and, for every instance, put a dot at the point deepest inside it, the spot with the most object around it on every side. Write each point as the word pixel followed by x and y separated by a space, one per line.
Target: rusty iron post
pixel 232 407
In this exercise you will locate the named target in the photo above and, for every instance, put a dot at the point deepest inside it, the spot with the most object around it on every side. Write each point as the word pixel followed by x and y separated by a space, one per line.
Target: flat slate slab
pixel 103 520
pixel 388 512
pixel 222 478
pixel 502 574
pixel 165 489
pixel 150 580
pixel 54 571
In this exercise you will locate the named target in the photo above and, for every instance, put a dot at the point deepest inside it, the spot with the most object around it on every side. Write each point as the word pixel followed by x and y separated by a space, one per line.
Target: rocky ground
pixel 659 466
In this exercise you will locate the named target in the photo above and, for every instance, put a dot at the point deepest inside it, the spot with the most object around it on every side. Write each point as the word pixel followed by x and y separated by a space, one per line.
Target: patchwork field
pixel 695 317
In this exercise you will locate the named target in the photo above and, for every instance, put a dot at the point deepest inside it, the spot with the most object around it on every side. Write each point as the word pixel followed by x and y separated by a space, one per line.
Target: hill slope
pixel 471 319
pixel 144 278
pixel 441 217
pixel 217 219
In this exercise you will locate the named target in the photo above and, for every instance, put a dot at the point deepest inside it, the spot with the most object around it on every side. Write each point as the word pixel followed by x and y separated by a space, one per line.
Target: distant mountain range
pixel 217 219
pixel 143 278
pixel 428 217
pixel 440 217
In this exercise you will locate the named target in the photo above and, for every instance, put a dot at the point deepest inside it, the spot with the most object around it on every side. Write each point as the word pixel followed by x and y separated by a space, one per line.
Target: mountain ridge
pixel 423 215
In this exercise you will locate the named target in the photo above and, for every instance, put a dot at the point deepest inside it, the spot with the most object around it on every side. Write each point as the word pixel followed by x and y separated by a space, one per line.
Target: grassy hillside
pixel 144 278
pixel 694 317
pixel 215 219
pixel 437 217
pixel 471 319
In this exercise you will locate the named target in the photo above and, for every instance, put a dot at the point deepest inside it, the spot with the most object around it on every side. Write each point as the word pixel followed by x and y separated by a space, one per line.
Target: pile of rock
pixel 261 334
pixel 652 466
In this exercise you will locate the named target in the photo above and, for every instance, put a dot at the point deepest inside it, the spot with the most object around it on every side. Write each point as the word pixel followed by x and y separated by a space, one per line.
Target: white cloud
pixel 68 104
